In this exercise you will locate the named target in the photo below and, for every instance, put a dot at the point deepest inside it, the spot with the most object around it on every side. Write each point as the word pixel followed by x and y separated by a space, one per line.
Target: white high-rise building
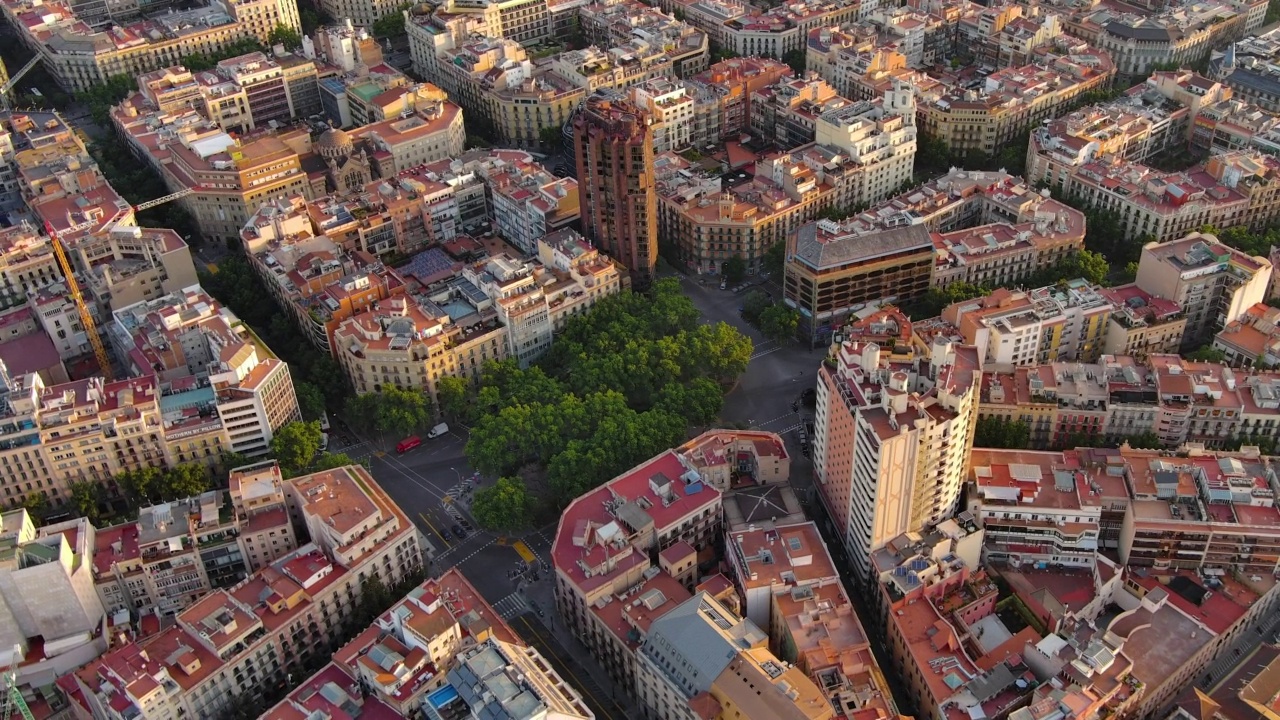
pixel 892 436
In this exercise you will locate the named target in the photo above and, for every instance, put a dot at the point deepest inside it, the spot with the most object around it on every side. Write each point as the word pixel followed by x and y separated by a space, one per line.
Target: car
pixel 724 284
pixel 808 425
pixel 458 532
pixel 809 397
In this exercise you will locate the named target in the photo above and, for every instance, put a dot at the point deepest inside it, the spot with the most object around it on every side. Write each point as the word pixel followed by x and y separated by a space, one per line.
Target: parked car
pixel 724 284
pixel 438 430
pixel 408 444
pixel 458 532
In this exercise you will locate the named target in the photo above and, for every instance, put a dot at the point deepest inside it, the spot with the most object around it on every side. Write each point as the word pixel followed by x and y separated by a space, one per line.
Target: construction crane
pixel 13 81
pixel 73 287
pixel 14 703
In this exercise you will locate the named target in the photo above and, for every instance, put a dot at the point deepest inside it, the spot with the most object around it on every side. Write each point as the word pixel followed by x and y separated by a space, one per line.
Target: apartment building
pixel 27 263
pixel 535 300
pixel 735 80
pixel 253 635
pixel 791 589
pixel 863 151
pixel 1245 67
pixel 1012 101
pixel 1188 593
pixel 53 618
pixel 529 202
pixel 1234 188
pixel 778 30
pixel 616 23
pixel 699 659
pixel 361 12
pixel 1142 324
pixel 891 440
pixel 261 514
pixel 1027 327
pixel 832 270
pixel 1179 34
pixel 207 363
pixel 710 220
pixel 602 552
pixel 229 178
pixel 1035 507
pixel 431 132
pixel 81 53
pixel 613 144
pixel 1212 283
pixel 411 341
pixel 1002 253
pixel 319 282
pixel 949 646
pixel 173 555
pixel 42 157
pixel 1007 36
pixel 441 652
pixel 724 458
pixel 785 114
pixel 858 68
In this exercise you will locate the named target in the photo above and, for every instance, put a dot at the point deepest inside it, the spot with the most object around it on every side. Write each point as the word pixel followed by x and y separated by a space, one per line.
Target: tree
pixel 231 460
pixel 374 598
pixel 1206 353
pixel 329 461
pixel 503 507
pixel 754 305
pixel 734 269
pixel 402 412
pixel 101 98
pixel 1145 440
pixel 310 399
pixel 391 24
pixel 139 487
pixel 699 402
pixel 780 323
pixel 550 136
pixel 295 445
pixel 1085 264
pixel 183 481
pixel 286 36
pixel 774 259
pixel 796 59
pixel 37 505
pixel 455 397
pixel 86 500
pixel 998 432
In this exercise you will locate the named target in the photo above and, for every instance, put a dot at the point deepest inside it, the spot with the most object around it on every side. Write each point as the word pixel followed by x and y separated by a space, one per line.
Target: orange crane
pixel 73 287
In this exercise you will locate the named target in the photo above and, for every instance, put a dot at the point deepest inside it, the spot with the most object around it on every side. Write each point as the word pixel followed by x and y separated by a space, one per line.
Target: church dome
pixel 333 144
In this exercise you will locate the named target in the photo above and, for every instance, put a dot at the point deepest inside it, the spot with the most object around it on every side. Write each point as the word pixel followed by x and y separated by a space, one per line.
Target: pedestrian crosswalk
pixel 512 606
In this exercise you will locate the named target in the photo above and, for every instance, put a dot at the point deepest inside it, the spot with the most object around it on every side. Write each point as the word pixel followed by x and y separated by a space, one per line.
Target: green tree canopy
pixel 391 24
pixel 503 507
pixel 734 269
pixel 310 399
pixel 620 384
pixel 329 461
pixel 780 323
pixel 455 398
pixel 402 411
pixel 796 59
pixel 754 305
pixel 998 432
pixel 295 445
pixel 183 481
pixel 86 500
pixel 1207 353
pixel 284 35
pixel 774 259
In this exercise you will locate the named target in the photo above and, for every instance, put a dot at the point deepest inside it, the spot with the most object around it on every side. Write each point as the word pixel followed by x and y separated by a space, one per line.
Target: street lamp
pixel 455 472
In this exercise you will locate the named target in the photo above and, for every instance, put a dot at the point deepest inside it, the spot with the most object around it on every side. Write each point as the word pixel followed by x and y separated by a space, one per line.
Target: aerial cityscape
pixel 660 359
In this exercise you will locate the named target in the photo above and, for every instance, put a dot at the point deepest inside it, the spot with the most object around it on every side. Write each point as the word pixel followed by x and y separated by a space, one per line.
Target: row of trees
pixel 280 35
pixel 295 446
pixel 394 410
pixel 775 320
pixel 1004 433
pixel 137 182
pixel 1083 264
pixel 318 379
pixel 621 384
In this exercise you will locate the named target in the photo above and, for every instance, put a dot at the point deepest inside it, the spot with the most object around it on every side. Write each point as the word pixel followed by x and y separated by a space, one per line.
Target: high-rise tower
pixel 613 145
